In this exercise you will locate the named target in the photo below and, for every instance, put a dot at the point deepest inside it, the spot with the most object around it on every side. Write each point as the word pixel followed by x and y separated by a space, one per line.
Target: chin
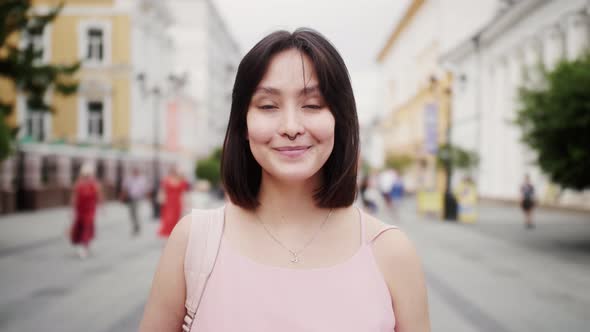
pixel 291 174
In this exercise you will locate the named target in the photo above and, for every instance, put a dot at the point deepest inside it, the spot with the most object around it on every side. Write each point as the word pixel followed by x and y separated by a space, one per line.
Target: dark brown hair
pixel 240 172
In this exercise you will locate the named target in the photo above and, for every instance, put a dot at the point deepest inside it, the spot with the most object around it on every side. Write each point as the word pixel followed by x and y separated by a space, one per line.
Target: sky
pixel 358 29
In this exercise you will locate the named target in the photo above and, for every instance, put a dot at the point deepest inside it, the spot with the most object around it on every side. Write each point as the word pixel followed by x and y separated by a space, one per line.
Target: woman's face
pixel 290 126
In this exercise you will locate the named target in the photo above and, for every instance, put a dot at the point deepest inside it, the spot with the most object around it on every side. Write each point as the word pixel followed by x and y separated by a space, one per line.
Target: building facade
pixel 209 55
pixel 112 119
pixel 417 95
pixel 490 66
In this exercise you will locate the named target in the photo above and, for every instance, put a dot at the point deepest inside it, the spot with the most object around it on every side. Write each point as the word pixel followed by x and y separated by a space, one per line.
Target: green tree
pixel 20 63
pixel 554 117
pixel 460 158
pixel 399 162
pixel 210 168
pixel 216 154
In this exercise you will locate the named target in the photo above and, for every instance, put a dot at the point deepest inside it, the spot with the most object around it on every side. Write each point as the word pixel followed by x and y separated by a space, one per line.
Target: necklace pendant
pixel 295 259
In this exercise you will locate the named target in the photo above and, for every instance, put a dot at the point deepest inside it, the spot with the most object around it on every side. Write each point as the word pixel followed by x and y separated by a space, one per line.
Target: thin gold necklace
pixel 294 253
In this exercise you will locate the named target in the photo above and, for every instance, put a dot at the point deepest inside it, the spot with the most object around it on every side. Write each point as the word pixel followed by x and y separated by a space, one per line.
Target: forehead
pixel 289 69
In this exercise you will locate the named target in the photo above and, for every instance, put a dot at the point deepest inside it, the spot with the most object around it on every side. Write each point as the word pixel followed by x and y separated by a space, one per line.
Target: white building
pixel 428 29
pixel 415 100
pixel 152 56
pixel 209 55
pixel 489 68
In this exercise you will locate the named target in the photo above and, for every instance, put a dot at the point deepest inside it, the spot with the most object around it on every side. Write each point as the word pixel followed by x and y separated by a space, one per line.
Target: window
pixel 75 169
pixel 94 37
pixel 95 120
pixel 95 44
pixel 49 170
pixel 35 39
pixel 35 124
pixel 101 170
pixel 94 116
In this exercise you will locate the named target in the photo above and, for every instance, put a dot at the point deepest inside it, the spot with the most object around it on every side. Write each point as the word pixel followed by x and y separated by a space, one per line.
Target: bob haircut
pixel 240 172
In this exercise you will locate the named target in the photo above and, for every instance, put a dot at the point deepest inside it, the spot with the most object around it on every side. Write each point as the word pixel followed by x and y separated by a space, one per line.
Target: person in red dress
pixel 85 198
pixel 171 191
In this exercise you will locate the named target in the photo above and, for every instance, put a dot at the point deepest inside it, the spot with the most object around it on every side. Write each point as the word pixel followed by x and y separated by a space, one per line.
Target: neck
pixel 289 202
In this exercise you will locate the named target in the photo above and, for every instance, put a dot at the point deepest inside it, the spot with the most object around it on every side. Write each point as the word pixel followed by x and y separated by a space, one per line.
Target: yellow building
pixel 418 90
pixel 417 116
pixel 98 33
pixel 116 41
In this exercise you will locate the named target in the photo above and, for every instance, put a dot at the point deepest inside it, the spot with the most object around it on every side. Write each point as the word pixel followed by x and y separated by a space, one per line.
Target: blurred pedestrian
pixel 386 179
pixel 307 259
pixel 368 194
pixel 466 194
pixel 135 188
pixel 170 196
pixel 86 195
pixel 527 201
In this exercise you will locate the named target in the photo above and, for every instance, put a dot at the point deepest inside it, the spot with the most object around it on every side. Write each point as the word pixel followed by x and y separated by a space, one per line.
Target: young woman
pixel 295 254
pixel 85 197
pixel 172 188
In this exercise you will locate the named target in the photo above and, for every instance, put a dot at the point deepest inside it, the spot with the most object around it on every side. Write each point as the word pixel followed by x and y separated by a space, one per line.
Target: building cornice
pixel 411 11
pixel 495 28
pixel 158 9
pixel 508 18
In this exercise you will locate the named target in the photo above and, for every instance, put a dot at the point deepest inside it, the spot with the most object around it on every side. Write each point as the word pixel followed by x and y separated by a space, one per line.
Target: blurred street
pixel 45 285
pixel 498 276
pixel 491 276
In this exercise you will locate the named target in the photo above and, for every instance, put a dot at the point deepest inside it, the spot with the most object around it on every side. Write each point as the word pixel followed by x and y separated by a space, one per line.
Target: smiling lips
pixel 292 151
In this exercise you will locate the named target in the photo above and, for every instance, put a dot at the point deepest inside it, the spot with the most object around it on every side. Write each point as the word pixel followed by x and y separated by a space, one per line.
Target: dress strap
pixel 201 253
pixel 383 230
pixel 362 222
pixel 363 227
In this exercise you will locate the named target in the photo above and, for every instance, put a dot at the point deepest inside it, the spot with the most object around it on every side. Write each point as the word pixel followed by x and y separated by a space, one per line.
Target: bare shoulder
pixel 392 239
pixel 183 226
pixel 164 309
pixel 392 248
pixel 401 268
pixel 180 233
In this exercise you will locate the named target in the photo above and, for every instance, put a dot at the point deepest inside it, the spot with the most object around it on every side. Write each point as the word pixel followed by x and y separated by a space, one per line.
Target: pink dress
pixel 247 296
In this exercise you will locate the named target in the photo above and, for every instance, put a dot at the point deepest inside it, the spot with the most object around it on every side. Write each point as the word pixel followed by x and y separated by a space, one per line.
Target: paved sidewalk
pixel 559 233
pixel 496 276
pixel 492 276
pixel 26 230
pixel 45 286
pixel 29 230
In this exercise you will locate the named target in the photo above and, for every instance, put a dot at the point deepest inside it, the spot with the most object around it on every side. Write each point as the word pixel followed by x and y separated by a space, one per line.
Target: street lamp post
pixel 450 202
pixel 157 93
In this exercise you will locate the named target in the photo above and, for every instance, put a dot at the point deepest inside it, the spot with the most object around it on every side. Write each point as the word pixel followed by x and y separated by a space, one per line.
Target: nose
pixel 291 123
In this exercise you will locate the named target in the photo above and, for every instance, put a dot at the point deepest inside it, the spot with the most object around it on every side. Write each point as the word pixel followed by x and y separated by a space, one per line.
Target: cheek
pixel 322 127
pixel 260 130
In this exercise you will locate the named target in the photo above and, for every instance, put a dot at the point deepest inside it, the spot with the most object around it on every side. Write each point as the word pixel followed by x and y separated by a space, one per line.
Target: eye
pixel 267 107
pixel 312 106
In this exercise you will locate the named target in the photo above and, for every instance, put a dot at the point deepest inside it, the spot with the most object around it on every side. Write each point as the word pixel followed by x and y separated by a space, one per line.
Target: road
pixel 491 276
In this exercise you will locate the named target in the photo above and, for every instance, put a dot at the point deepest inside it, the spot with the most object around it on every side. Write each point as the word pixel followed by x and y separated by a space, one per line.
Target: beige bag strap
pixel 201 253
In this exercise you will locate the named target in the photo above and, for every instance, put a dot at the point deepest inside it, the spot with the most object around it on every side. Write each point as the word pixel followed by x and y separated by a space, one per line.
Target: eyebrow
pixel 309 90
pixel 273 91
pixel 267 90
